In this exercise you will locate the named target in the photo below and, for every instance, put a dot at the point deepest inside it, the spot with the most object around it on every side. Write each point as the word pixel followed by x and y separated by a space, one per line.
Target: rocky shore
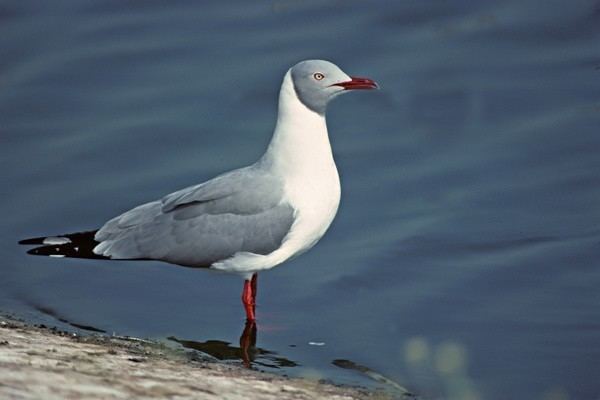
pixel 42 363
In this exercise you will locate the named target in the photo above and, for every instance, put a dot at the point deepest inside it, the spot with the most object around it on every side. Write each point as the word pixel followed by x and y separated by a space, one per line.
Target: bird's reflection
pixel 247 353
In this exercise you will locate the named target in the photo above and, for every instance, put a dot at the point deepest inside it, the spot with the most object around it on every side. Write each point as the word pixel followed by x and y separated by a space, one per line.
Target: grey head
pixel 318 81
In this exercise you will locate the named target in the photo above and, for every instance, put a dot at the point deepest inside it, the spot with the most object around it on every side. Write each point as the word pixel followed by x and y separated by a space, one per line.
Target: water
pixel 463 262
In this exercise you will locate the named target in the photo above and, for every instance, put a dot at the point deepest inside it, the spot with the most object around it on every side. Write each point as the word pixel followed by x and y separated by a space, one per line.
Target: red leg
pixel 248 300
pixel 248 343
pixel 254 291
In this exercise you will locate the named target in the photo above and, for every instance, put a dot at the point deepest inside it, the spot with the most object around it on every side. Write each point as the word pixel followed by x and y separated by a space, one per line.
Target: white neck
pixel 300 141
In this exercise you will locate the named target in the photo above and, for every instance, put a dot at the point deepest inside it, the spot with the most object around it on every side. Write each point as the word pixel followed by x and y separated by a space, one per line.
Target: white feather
pixel 300 152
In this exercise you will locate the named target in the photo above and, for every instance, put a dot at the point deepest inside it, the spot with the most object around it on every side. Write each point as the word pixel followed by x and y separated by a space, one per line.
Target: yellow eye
pixel 318 76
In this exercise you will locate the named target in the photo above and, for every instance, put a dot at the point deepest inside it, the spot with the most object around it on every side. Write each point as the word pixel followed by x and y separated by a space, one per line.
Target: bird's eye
pixel 318 76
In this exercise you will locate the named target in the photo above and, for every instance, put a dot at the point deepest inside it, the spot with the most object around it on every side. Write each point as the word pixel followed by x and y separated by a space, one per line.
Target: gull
pixel 247 220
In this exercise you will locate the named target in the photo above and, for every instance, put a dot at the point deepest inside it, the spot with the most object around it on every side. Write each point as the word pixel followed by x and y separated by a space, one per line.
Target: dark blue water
pixel 464 260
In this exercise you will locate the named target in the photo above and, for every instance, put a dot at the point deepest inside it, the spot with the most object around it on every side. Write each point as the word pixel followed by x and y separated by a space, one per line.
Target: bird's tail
pixel 76 245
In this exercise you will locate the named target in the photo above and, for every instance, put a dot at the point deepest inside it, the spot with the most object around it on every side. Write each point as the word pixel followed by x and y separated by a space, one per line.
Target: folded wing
pixel 239 211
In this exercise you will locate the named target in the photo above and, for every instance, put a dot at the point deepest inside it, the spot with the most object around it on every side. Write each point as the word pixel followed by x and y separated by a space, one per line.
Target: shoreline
pixel 41 362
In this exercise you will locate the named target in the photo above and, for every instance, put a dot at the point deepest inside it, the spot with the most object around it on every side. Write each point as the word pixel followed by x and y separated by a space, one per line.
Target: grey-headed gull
pixel 247 220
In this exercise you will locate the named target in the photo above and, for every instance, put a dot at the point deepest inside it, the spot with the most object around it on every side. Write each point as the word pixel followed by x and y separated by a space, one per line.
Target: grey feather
pixel 197 226
pixel 315 94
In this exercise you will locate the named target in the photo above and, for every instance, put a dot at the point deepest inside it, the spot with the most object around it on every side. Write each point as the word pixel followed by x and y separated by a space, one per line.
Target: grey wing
pixel 202 224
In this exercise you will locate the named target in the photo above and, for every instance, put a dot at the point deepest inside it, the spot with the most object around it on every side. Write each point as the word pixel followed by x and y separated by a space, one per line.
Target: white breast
pixel 315 196
pixel 300 153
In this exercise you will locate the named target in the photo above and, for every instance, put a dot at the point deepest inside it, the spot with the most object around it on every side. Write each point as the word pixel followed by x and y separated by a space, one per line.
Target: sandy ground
pixel 42 363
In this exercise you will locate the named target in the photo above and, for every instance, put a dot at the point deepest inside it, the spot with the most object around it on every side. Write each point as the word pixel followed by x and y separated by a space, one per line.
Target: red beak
pixel 358 83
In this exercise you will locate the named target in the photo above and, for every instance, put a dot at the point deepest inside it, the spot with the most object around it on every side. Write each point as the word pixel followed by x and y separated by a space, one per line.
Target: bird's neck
pixel 300 142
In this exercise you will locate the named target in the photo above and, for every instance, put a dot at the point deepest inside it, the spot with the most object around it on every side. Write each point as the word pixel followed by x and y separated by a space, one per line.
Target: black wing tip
pixel 37 240
pixel 78 236
pixel 78 245
pixel 34 252
pixel 48 251
pixel 66 251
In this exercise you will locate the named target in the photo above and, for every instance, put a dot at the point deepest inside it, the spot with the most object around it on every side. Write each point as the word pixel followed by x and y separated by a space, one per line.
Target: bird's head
pixel 317 82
